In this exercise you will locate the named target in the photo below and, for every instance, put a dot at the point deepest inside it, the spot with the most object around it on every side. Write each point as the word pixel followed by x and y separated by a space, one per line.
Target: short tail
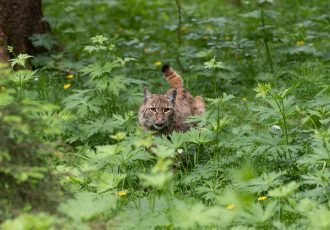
pixel 173 78
pixel 199 106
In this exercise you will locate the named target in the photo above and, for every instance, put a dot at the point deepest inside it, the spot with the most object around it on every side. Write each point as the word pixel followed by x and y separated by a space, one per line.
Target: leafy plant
pixel 258 158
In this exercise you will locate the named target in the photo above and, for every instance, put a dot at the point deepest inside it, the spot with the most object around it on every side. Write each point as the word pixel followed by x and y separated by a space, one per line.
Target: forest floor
pixel 76 158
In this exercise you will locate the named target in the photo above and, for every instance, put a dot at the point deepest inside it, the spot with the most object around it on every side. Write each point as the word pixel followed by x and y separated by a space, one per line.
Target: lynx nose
pixel 159 121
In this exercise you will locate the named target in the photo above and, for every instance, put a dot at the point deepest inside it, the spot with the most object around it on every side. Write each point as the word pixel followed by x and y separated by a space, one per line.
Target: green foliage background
pixel 73 156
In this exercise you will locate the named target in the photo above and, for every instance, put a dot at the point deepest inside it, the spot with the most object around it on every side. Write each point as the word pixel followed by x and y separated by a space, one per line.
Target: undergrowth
pixel 259 158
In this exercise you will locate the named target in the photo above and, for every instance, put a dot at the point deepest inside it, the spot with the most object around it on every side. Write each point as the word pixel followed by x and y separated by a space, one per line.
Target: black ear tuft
pixel 146 95
pixel 165 67
pixel 172 96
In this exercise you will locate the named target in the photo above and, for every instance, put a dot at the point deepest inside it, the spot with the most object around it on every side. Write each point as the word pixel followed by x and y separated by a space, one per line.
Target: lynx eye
pixel 167 110
pixel 152 109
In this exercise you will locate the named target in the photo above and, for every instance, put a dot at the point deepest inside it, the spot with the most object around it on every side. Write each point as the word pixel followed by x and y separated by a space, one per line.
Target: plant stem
pixel 324 165
pixel 215 82
pixel 178 33
pixel 218 125
pixel 269 57
pixel 285 123
pixel 282 112
pixel 20 88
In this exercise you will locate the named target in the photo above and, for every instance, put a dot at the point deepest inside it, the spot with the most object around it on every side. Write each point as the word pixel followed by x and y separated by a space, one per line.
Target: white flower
pixel 180 151
pixel 36 79
pixel 276 127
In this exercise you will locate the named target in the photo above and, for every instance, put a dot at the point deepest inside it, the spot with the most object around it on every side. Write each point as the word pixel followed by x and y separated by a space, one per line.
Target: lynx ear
pixel 147 95
pixel 172 96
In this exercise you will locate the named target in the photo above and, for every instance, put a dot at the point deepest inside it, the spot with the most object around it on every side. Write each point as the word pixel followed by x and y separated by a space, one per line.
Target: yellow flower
pixel 70 76
pixel 300 43
pixel 121 193
pixel 262 198
pixel 146 50
pixel 230 206
pixel 67 85
pixel 158 63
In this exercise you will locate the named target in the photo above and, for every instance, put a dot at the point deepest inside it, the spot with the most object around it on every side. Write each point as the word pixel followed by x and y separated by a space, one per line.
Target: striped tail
pixel 173 78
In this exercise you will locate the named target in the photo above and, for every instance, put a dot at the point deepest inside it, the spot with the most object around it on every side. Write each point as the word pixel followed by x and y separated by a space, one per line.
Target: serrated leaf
pixel 20 60
pixel 86 205
pixel 99 39
pixel 95 70
pixel 5 99
pixel 284 191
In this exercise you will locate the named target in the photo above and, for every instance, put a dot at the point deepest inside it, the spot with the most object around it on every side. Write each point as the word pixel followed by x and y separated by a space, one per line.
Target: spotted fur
pixel 164 113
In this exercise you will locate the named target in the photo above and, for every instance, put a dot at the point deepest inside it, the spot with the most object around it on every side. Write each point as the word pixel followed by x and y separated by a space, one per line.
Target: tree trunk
pixel 19 19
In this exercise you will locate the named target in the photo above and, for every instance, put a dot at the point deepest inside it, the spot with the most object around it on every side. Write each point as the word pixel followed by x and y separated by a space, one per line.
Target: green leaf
pixel 87 205
pixel 22 76
pixel 10 49
pixel 95 70
pixel 20 60
pixel 91 49
pixel 45 40
pixel 164 152
pixel 319 218
pixel 99 125
pixel 284 191
pixel 5 99
pixel 263 89
pixel 156 180
pixel 193 216
pixel 104 181
pixel 40 221
pixel 306 205
pixel 99 39
pixel 257 214
pixel 213 64
pixel 83 102
pixel 117 85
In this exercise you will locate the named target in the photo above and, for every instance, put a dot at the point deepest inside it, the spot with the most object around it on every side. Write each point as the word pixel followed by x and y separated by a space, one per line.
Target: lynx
pixel 164 113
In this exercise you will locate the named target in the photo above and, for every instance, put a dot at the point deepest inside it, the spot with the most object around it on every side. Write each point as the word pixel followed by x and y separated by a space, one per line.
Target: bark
pixel 19 19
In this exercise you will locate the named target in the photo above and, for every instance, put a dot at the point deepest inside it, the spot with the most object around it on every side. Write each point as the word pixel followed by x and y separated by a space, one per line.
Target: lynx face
pixel 158 112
